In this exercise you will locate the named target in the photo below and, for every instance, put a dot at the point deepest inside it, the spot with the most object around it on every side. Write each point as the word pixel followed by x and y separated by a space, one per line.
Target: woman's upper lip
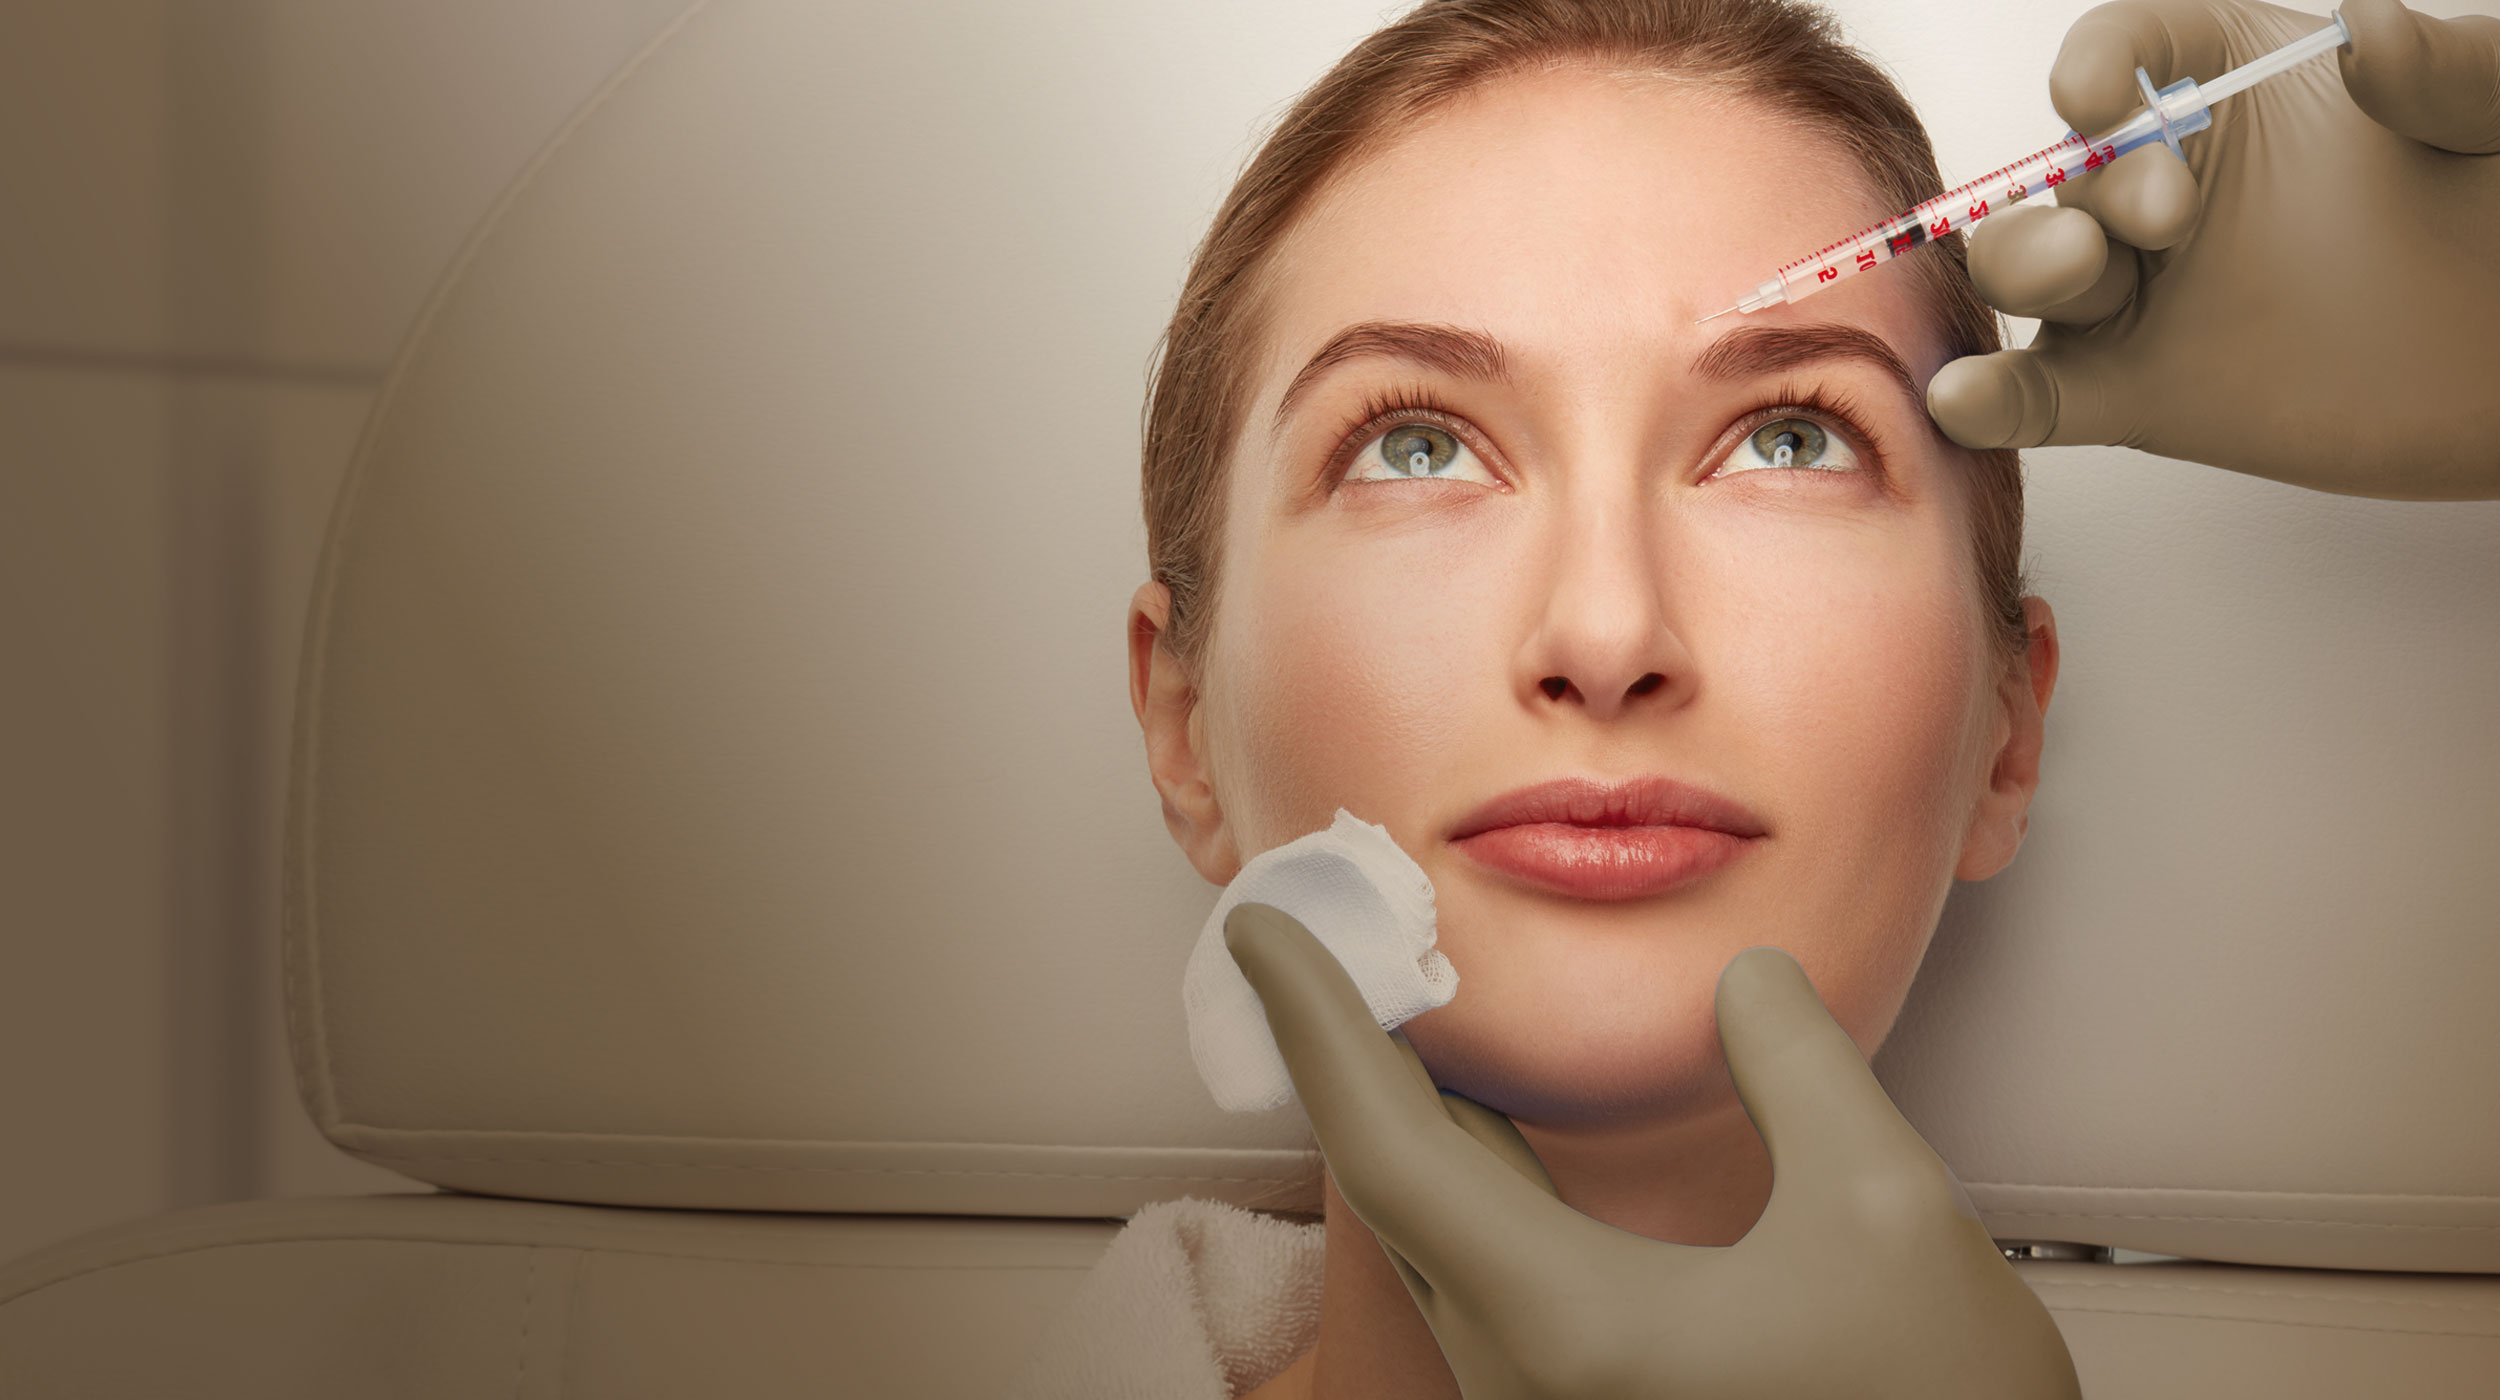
pixel 1644 801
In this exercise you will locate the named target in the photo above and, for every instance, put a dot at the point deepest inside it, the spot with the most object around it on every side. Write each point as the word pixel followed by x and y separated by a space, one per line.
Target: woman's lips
pixel 1604 862
pixel 1593 840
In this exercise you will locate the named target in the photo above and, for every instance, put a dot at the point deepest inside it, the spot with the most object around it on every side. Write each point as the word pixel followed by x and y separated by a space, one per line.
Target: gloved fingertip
pixel 2436 81
pixel 2367 17
pixel 2149 198
pixel 2385 47
pixel 1982 403
pixel 2032 257
pixel 2092 83
pixel 1256 935
pixel 1751 969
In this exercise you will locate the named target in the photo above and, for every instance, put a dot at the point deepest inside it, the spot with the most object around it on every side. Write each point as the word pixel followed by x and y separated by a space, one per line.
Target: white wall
pixel 221 216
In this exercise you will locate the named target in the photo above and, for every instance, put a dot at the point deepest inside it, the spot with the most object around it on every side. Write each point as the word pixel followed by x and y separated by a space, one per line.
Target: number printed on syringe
pixel 1957 208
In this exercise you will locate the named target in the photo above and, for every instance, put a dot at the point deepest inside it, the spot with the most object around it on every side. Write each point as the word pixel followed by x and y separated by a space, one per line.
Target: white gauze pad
pixel 1365 901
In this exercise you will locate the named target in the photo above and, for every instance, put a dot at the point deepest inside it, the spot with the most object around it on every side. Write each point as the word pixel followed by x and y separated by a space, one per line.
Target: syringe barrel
pixel 1954 210
pixel 2180 109
pixel 1966 204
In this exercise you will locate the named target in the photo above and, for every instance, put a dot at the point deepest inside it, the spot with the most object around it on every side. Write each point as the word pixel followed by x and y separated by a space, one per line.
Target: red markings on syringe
pixel 1956 208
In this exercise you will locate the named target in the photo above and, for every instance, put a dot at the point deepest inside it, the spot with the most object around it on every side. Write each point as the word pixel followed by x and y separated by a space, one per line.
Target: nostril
pixel 1554 686
pixel 1648 683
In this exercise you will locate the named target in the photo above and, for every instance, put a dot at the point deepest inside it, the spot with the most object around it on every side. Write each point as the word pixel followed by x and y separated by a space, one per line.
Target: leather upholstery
pixel 426 1295
pixel 714 784
pixel 460 1296
pixel 2190 1331
pixel 715 791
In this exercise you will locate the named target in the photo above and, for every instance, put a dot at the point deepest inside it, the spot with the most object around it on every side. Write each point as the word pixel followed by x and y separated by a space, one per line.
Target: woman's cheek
pixel 1357 672
pixel 1395 623
pixel 1850 656
pixel 1855 593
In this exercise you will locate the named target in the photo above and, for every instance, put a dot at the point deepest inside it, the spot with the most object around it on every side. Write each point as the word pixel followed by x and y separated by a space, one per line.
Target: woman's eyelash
pixel 1416 401
pixel 1377 405
pixel 1838 405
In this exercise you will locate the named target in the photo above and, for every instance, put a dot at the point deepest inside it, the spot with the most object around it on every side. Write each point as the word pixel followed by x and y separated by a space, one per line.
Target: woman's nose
pixel 1565 689
pixel 1606 641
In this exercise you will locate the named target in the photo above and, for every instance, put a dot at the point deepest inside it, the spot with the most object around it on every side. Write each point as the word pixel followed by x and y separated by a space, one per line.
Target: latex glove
pixel 2313 297
pixel 1868 1274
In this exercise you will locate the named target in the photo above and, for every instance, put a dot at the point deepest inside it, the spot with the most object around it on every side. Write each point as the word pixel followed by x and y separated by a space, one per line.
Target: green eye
pixel 1417 449
pixel 1798 444
pixel 1789 442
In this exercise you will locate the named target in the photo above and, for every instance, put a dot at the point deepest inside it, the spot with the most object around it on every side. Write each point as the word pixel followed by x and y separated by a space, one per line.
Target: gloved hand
pixel 2314 296
pixel 1868 1274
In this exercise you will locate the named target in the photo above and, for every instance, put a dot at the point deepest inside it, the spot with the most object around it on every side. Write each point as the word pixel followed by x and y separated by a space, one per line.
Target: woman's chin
pixel 1575 1079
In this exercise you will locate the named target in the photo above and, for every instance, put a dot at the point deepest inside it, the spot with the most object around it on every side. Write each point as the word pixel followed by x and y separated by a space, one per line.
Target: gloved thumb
pixel 2435 80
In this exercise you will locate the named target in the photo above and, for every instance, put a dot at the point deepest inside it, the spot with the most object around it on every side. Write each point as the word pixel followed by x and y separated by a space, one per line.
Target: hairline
pixel 1255 308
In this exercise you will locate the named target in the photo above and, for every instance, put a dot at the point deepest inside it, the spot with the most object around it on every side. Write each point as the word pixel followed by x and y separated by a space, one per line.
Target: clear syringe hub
pixel 1770 293
pixel 2181 109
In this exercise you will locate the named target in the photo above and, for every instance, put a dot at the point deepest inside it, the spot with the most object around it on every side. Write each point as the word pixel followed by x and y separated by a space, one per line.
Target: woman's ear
pixel 2003 813
pixel 1165 698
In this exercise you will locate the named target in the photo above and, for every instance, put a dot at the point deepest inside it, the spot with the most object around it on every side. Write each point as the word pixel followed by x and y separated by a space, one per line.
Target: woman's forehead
pixel 1573 212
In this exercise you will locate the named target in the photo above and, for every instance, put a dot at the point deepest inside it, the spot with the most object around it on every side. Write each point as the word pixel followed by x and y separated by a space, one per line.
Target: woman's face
pixel 1520 520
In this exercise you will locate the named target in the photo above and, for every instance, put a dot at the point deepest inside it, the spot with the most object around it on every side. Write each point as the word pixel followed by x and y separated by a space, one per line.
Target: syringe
pixel 2175 111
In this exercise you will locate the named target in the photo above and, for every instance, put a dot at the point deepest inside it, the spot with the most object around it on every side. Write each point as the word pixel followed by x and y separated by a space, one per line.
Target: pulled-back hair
pixel 1785 55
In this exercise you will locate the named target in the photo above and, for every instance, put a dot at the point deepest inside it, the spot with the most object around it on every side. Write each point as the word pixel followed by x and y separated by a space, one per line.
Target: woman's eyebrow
pixel 1740 354
pixel 1756 350
pixel 1449 349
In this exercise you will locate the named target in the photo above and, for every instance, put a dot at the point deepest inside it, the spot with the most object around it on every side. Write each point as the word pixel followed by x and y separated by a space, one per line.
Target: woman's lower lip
pixel 1604 862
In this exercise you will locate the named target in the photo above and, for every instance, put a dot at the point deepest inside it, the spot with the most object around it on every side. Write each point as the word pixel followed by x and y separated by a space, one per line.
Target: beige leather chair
pixel 721 858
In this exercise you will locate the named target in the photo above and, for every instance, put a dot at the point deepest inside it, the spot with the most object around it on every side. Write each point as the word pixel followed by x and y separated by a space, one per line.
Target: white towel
pixel 1366 901
pixel 1195 1300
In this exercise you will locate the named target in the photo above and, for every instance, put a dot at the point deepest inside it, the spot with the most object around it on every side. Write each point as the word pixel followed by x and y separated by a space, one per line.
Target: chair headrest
pixel 715 785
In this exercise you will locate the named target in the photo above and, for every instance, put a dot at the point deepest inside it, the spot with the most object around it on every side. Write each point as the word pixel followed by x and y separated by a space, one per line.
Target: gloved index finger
pixel 1833 1133
pixel 1428 1188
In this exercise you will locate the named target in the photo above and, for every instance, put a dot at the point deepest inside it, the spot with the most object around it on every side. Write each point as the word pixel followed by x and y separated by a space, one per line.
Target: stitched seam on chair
pixel 2224 1191
pixel 529 1305
pixel 2224 1219
pixel 612 1226
pixel 505 1244
pixel 2227 1292
pixel 315 659
pixel 876 1143
pixel 2283 1322
pixel 820 1171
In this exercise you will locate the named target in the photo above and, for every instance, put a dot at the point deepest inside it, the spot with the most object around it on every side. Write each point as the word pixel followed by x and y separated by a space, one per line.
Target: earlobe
pixel 2003 812
pixel 1164 697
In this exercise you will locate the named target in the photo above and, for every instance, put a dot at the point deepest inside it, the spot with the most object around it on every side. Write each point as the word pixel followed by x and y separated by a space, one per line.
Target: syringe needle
pixel 1715 315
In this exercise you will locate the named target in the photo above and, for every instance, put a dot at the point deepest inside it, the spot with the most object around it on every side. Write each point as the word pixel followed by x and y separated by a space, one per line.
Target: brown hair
pixel 1784 54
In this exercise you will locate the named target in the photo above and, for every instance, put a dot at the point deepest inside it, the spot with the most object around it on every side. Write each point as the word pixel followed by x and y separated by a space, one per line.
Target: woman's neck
pixel 1701 1180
